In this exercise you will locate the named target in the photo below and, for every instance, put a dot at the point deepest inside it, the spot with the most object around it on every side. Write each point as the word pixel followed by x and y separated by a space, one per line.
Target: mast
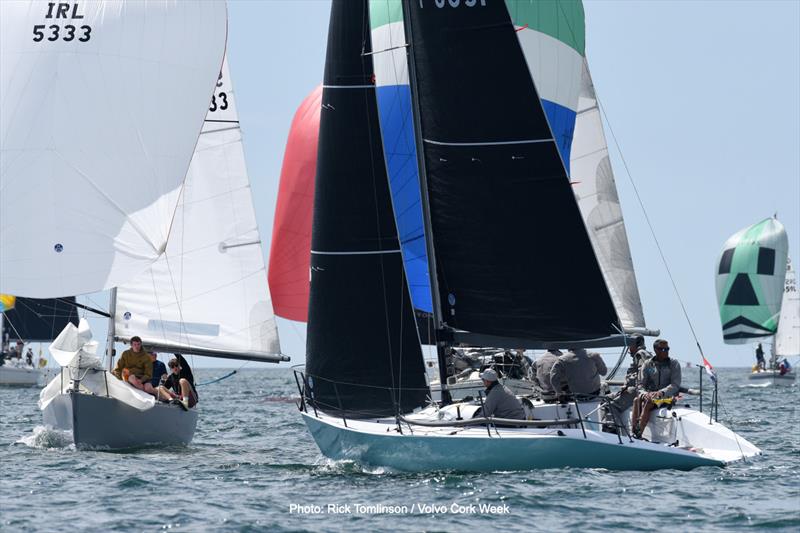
pixel 112 312
pixel 442 344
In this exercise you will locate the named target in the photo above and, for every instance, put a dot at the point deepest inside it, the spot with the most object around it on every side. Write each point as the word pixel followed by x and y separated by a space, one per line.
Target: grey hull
pixel 107 423
pixel 772 376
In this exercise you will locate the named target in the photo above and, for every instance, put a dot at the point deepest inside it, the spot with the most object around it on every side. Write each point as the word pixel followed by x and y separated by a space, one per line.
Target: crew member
pixel 660 378
pixel 500 401
pixel 136 367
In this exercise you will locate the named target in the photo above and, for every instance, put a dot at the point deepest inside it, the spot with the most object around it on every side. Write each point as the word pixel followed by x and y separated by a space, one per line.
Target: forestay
pixel 750 280
pixel 101 103
pixel 208 293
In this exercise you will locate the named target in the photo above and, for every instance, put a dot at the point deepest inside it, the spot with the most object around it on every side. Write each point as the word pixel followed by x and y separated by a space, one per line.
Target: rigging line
pixel 729 420
pixel 650 227
pixel 369 98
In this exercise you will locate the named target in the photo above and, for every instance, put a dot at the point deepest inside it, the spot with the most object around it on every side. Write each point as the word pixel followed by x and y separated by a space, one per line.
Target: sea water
pixel 253 466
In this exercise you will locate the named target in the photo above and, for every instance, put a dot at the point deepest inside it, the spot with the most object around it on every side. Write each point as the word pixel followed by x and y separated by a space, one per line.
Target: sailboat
pixel 752 289
pixel 29 320
pixel 786 343
pixel 363 393
pixel 182 258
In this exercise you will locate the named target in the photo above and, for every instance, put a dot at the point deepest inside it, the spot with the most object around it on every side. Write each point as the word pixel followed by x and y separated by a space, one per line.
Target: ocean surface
pixel 252 463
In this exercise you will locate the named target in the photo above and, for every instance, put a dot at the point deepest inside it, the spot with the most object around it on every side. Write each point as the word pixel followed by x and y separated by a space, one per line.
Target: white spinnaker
pixel 787 338
pixel 593 182
pixel 209 290
pixel 100 108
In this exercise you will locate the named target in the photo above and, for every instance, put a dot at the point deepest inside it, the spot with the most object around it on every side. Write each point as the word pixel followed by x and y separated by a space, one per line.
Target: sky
pixel 703 98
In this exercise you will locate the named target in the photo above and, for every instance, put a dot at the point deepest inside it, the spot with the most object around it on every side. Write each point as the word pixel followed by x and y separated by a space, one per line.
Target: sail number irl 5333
pixel 67 32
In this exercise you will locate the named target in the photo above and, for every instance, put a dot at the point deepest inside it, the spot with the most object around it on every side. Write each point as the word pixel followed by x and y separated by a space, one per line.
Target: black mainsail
pixel 38 319
pixel 363 352
pixel 512 256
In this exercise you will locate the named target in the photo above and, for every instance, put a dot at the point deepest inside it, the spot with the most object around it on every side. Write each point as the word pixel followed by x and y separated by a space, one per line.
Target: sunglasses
pixel 663 348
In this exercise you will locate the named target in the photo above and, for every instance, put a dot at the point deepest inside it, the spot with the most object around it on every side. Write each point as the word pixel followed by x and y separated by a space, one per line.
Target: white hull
pixel 772 377
pixel 22 377
pixel 99 422
pixel 476 448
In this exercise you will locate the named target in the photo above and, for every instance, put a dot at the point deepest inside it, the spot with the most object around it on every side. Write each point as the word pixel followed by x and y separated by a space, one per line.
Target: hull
pixel 20 377
pixel 107 423
pixel 772 377
pixel 379 443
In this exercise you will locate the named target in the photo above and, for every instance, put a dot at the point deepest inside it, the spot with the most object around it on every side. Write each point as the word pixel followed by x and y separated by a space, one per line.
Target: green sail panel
pixel 561 19
pixel 750 277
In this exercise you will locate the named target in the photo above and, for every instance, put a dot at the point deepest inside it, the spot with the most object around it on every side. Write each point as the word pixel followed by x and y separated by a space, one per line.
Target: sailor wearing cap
pixel 500 401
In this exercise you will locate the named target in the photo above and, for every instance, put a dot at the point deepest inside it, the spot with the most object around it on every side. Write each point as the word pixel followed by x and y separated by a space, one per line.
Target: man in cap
pixel 136 367
pixel 659 378
pixel 500 401
pixel 624 398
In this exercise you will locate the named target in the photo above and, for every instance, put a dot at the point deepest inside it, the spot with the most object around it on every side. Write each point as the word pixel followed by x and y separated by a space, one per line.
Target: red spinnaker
pixel 289 258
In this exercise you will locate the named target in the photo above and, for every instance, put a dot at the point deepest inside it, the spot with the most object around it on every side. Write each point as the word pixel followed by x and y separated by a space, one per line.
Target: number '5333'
pixel 67 33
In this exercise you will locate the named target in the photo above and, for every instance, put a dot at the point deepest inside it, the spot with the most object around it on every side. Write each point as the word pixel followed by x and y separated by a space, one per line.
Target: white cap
pixel 489 374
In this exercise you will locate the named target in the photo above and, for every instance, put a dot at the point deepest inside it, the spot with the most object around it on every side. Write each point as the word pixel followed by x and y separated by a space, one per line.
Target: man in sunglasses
pixel 659 378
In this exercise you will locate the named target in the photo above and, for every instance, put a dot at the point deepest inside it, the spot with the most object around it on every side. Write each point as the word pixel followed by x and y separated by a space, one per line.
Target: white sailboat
pixel 786 344
pixel 185 258
pixel 481 178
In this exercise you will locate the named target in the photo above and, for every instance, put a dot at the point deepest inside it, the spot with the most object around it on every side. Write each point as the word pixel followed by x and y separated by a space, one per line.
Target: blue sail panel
pixel 562 123
pixel 397 128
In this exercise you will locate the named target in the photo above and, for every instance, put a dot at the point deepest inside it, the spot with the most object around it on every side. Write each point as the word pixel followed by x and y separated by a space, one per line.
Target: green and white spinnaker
pixel 750 279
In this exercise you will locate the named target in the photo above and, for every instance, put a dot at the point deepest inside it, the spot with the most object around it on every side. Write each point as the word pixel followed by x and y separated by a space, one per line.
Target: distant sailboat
pixel 752 286
pixel 750 280
pixel 786 345
pixel 30 320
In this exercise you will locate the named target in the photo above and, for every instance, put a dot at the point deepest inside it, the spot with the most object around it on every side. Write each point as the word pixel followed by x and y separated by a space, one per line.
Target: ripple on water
pixel 252 457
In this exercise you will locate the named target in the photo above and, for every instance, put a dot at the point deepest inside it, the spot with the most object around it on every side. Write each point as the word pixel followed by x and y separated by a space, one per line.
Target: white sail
pixel 787 339
pixel 101 103
pixel 208 293
pixel 593 181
